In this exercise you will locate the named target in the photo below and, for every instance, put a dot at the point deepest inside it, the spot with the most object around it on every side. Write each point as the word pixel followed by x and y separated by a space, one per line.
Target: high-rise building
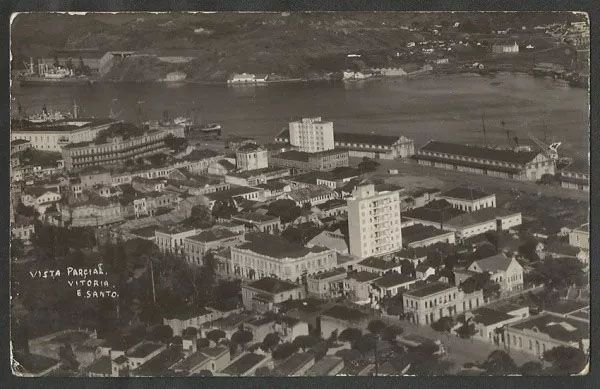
pixel 374 221
pixel 251 157
pixel 312 135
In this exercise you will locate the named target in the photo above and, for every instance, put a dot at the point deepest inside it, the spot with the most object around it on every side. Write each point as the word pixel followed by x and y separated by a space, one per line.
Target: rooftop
pixel 159 364
pixel 233 191
pixel 63 125
pixel 393 279
pixel 363 276
pixel 293 363
pixel 249 147
pixel 143 349
pixel 324 366
pixel 147 232
pixel 255 217
pixel 344 313
pixel 273 285
pixel 567 306
pixel 378 263
pixel 432 213
pixel 214 352
pixel 331 273
pixel 371 139
pixel 487 316
pixel 480 152
pixel 495 263
pixel 465 193
pixel 557 327
pixel 276 246
pixel 243 364
pixel 419 232
pixel 190 362
pixel 213 234
pixel 309 192
pixel 429 289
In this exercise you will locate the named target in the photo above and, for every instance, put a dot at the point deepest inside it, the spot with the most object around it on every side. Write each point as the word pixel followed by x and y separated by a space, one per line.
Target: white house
pixel 505 271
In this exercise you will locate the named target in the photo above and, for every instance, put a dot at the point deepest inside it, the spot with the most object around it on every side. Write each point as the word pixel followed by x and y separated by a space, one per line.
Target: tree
pixel 531 368
pixel 202 343
pixel 200 217
pixel 161 333
pixel 215 335
pixel 270 341
pixel 350 335
pixel 444 324
pixel 499 363
pixel 481 281
pixel 391 332
pixel 305 341
pixel 284 350
pixel 366 343
pixel 241 337
pixel 565 360
pixel 368 165
pixel 561 272
pixel 466 330
pixel 376 327
pixel 67 357
pixel 287 210
pixel 224 209
pixel 24 210
pixel 17 248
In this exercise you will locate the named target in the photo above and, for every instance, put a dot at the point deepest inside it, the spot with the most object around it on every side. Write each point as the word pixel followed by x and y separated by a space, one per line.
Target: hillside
pixel 286 44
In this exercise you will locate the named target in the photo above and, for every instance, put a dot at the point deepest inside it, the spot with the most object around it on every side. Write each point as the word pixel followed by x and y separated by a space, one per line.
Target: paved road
pixel 454 178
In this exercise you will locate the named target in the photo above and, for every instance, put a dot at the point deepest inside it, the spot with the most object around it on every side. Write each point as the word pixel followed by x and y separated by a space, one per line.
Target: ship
pixel 51 75
pixel 208 129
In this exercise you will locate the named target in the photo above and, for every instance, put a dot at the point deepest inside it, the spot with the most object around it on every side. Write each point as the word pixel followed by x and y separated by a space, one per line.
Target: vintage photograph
pixel 299 194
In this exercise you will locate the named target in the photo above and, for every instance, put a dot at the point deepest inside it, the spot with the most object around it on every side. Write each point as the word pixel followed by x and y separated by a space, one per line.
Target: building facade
pixel 251 157
pixel 114 152
pixel 374 222
pixel 311 134
pixel 303 161
pixel 517 165
pixel 427 304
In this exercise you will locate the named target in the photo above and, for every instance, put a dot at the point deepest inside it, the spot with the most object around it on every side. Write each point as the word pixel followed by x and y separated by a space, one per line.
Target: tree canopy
pixel 350 335
pixel 285 209
pixel 566 360
pixel 284 350
pixel 270 341
pixel 215 335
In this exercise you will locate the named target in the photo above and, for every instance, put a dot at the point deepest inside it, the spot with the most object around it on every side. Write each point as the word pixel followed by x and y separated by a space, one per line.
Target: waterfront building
pixel 265 255
pixel 576 176
pixel 53 136
pixel 374 222
pixel 311 134
pixel 428 303
pixel 518 165
pixel 251 157
pixel 242 78
pixel 505 48
pixel 302 161
pixel 506 272
pixel 538 334
pixel 115 151
pixel 468 199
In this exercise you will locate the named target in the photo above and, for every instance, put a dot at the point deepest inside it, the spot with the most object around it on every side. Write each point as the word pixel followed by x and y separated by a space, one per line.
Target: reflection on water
pixel 440 107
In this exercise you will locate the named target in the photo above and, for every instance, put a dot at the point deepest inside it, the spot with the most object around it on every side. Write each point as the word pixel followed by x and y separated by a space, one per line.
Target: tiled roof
pixel 480 152
pixel 429 289
pixel 213 234
pixel 276 246
pixel 292 364
pixel 419 232
pixel 487 316
pixel 362 276
pixel 293 155
pixel 273 285
pixel 392 279
pixel 243 364
pixel 557 327
pixel 378 263
pixel 465 193
pixel 344 313
pixel 493 264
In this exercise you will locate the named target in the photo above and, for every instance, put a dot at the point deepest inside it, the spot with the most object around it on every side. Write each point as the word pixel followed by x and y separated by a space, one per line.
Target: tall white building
pixel 312 135
pixel 374 221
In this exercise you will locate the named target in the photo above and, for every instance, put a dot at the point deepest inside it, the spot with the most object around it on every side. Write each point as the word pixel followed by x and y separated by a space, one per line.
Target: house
pixel 357 286
pixel 503 270
pixel 390 284
pixel 327 285
pixel 39 198
pixel 142 353
pixel 228 324
pixel 311 195
pixel 576 175
pixel 221 167
pixel 261 295
pixel 90 210
pixel 296 365
pixel 468 199
pixel 419 235
pixel 159 364
pixel 490 323
pixel 192 317
pixel 327 366
pixel 242 78
pixel 424 271
pixel 196 246
pixel 379 266
pixel 538 334
pixel 580 238
pixel 212 359
pixel 261 222
pixel 427 303
pixel 244 366
pixel 23 228
pixel 340 317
